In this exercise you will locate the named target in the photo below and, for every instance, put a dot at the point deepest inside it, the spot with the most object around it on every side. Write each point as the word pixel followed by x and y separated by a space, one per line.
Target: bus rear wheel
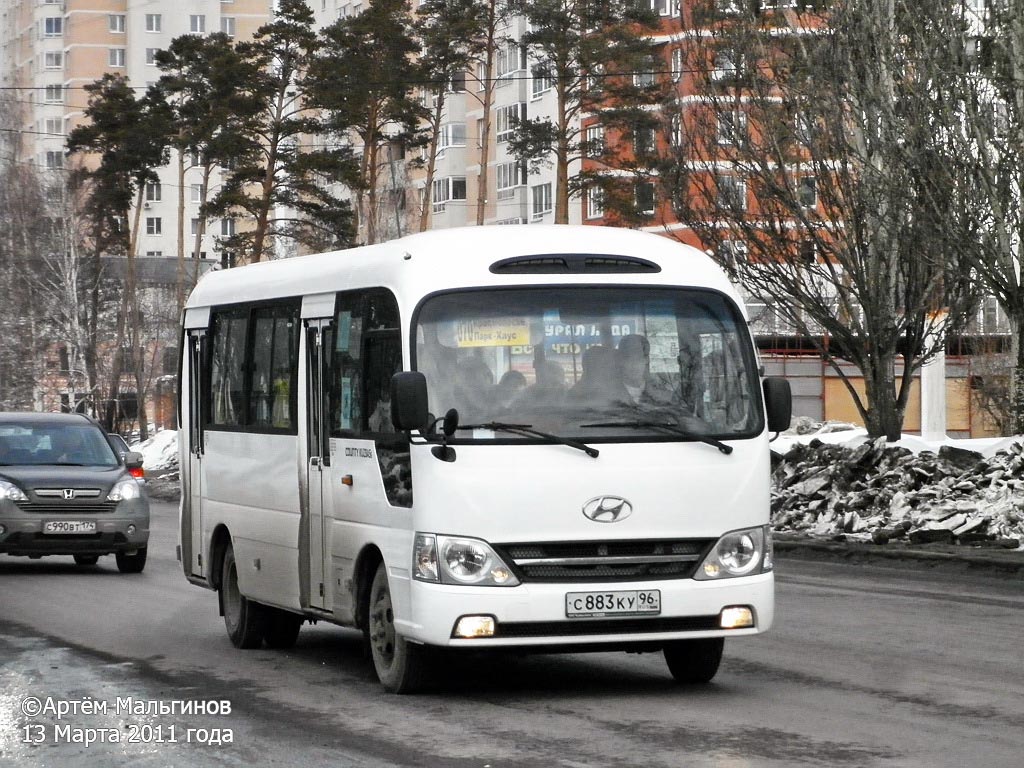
pixel 694 661
pixel 244 619
pixel 400 665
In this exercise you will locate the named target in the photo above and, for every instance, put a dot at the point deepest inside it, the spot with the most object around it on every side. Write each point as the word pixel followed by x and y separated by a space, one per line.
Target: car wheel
pixel 86 559
pixel 131 563
pixel 694 661
pixel 282 628
pixel 400 665
pixel 244 619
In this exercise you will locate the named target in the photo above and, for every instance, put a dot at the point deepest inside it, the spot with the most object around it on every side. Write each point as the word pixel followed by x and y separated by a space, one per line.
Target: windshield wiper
pixel 526 429
pixel 726 449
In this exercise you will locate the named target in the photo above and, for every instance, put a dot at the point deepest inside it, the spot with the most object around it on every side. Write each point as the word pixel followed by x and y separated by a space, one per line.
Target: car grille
pixel 73 507
pixel 594 561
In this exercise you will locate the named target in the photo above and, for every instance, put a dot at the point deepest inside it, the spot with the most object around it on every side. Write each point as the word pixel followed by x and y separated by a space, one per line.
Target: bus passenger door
pixel 318 346
pixel 196 447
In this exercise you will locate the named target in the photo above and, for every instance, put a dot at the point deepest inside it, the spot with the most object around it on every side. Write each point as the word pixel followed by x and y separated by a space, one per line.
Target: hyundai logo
pixel 69 493
pixel 607 509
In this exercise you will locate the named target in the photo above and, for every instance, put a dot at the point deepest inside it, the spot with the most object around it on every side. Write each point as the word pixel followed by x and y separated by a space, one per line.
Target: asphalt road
pixel 866 666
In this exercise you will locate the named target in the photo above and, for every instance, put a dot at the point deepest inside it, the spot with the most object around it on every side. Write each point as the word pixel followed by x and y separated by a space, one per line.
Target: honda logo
pixel 69 493
pixel 607 509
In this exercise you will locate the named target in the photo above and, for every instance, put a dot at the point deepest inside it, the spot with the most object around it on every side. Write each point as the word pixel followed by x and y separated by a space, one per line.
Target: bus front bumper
pixel 535 615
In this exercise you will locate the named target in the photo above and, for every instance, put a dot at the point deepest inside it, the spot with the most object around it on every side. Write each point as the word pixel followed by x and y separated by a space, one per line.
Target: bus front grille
pixel 600 561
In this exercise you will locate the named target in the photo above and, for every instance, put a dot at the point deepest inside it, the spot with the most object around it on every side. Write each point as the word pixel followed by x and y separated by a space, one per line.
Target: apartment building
pixel 51 49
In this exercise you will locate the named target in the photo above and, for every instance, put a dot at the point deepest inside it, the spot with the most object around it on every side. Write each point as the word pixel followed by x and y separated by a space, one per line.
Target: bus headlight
pixel 459 560
pixel 738 553
pixel 124 490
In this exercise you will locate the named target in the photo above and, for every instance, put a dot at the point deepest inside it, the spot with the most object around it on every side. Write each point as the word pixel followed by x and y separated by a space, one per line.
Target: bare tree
pixel 806 155
pixel 985 85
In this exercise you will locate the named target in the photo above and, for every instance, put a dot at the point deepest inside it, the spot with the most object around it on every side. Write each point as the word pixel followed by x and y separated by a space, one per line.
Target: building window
pixel 542 201
pixel 662 7
pixel 732 192
pixel 154 253
pixel 153 225
pixel 595 141
pixel 675 131
pixel 53 26
pixel 643 141
pixel 227 227
pixel 728 64
pixel 154 22
pixel 511 58
pixel 116 21
pixel 54 160
pixel 197 24
pixel 508 176
pixel 154 192
pixel 194 227
pixel 645 76
pixel 54 94
pixel 151 56
pixel 115 57
pixel 506 120
pixel 807 190
pixel 644 192
pixel 542 79
pixel 732 128
pixel 54 126
pixel 732 253
pixel 227 25
pixel 53 60
pixel 595 202
pixel 447 189
pixel 195 193
pixel 451 135
pixel 677 64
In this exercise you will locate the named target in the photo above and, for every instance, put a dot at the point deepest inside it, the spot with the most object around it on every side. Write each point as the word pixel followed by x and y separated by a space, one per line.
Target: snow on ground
pixel 832 481
pixel 160 451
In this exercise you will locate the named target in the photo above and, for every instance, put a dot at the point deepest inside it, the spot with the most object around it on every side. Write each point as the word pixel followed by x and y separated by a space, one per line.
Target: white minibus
pixel 532 438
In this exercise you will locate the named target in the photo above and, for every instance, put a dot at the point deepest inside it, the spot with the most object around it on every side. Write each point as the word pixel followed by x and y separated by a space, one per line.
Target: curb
pixel 1009 563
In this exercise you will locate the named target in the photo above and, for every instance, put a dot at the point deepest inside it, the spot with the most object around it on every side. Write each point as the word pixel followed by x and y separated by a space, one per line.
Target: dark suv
pixel 65 491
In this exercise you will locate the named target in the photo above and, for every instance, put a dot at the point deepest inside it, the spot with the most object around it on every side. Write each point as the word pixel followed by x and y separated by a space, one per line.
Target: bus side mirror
pixel 778 402
pixel 409 401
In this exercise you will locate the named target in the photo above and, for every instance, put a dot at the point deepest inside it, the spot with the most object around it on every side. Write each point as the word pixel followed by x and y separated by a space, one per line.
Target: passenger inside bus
pixel 602 377
pixel 512 383
pixel 635 360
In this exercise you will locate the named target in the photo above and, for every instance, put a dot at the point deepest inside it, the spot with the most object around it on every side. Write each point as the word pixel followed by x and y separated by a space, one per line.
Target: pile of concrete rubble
pixel 878 492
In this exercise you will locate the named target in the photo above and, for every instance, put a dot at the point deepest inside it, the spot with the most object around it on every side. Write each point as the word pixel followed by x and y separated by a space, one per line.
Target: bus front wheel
pixel 400 665
pixel 244 619
pixel 694 661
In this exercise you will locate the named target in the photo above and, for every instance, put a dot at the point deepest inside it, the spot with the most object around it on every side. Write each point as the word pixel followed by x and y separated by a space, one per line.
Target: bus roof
pixel 420 264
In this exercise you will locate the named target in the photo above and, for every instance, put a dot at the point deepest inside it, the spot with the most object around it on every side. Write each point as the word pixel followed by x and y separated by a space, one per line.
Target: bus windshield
pixel 591 363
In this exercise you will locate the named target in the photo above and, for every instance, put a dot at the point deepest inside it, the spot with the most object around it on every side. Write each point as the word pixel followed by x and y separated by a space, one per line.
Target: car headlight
pixel 738 553
pixel 11 492
pixel 124 490
pixel 459 560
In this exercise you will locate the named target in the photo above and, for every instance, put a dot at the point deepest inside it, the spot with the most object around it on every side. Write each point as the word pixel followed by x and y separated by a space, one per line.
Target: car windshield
pixel 43 443
pixel 591 363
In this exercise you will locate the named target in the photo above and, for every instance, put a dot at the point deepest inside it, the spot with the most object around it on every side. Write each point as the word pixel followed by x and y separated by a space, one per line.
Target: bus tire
pixel 399 664
pixel 282 628
pixel 244 619
pixel 694 661
pixel 133 563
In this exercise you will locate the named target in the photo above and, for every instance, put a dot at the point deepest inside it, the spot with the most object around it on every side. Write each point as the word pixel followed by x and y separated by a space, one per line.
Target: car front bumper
pixel 125 530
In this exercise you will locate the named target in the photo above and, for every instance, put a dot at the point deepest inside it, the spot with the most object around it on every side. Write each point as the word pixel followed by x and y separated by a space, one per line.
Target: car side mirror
pixel 409 401
pixel 133 460
pixel 778 403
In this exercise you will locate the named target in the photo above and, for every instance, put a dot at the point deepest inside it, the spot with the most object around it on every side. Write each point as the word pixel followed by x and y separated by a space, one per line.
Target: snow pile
pixel 160 451
pixel 878 491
